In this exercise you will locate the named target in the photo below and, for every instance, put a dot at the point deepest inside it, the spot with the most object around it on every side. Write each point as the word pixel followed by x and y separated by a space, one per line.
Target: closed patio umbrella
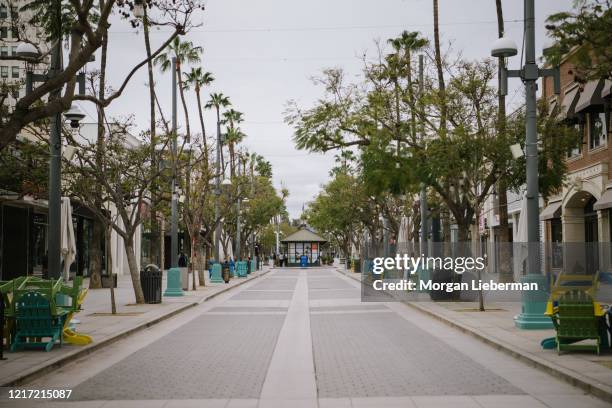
pixel 520 242
pixel 68 242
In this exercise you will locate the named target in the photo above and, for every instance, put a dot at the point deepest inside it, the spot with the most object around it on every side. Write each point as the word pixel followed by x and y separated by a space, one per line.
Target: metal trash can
pixel 151 281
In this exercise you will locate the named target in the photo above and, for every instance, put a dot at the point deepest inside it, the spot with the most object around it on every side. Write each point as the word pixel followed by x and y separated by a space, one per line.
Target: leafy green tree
pixel 583 34
pixel 24 169
pixel 121 180
pixel 334 211
pixel 460 163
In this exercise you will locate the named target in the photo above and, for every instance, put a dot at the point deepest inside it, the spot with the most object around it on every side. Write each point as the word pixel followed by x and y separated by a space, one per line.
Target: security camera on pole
pixel 534 302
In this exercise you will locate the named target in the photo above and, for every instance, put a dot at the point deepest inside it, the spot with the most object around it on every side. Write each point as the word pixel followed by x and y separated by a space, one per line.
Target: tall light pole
pixel 55 161
pixel 423 193
pixel 238 257
pixel 218 190
pixel 174 286
pixel 534 302
pixel 54 260
pixel 174 205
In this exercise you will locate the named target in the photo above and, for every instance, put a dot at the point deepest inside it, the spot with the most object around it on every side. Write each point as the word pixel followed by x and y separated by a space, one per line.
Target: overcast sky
pixel 264 52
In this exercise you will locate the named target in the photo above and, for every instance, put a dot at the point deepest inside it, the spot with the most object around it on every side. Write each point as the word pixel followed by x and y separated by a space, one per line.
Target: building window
pixel 3 72
pixel 577 149
pixel 13 51
pixel 15 72
pixel 3 11
pixel 4 51
pixel 3 33
pixel 598 130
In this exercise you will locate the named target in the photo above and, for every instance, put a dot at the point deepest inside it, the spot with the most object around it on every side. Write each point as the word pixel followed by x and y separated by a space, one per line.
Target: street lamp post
pixel 174 205
pixel 423 192
pixel 218 193
pixel 238 226
pixel 534 302
pixel 174 286
pixel 54 260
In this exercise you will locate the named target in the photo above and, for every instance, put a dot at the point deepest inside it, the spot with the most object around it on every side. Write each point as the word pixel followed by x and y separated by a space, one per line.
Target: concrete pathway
pixel 303 338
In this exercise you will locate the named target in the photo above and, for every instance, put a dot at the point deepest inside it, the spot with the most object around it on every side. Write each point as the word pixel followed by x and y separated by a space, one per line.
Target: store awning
pixel 551 106
pixel 607 89
pixel 552 210
pixel 590 95
pixel 604 202
pixel 568 104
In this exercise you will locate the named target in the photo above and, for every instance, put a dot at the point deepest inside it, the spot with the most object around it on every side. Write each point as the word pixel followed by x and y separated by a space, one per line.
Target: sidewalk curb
pixel 592 387
pixel 39 371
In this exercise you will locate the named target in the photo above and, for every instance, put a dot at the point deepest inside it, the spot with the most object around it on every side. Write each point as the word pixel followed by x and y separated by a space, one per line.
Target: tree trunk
pixel 201 115
pixel 95 280
pixel 95 265
pixel 438 58
pixel 463 233
pixel 232 162
pixel 109 265
pixel 134 272
pixel 444 213
pixel 154 240
pixel 182 93
pixel 193 257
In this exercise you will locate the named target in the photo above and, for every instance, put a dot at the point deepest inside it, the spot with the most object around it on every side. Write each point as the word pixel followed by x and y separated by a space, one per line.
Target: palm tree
pixel 408 42
pixel 198 78
pixel 218 101
pixel 233 135
pixel 184 52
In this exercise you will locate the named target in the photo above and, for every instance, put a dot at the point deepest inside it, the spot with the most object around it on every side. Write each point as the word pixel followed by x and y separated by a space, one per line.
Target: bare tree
pixel 86 23
pixel 120 180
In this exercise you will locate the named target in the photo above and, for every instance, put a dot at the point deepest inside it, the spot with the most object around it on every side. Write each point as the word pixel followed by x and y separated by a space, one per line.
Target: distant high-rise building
pixel 15 28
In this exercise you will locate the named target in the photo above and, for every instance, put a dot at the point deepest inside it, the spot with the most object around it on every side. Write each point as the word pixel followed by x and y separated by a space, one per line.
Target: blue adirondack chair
pixel 34 322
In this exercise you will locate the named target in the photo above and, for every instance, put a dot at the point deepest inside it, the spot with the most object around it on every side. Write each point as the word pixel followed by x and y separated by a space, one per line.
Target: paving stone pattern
pixel 333 294
pixel 212 356
pixel 328 283
pixel 263 295
pixel 382 355
pixel 242 309
pixel 349 308
pixel 275 284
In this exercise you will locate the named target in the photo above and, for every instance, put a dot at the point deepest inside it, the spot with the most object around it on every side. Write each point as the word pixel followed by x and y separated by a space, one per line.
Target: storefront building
pixel 577 219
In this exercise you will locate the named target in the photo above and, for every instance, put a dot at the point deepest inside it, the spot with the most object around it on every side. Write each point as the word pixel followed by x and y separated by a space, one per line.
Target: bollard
pixel 2 327
pixel 173 285
pixel 216 276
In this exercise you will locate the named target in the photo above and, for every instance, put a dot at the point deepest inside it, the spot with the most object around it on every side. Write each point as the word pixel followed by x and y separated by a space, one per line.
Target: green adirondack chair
pixel 34 322
pixel 575 321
